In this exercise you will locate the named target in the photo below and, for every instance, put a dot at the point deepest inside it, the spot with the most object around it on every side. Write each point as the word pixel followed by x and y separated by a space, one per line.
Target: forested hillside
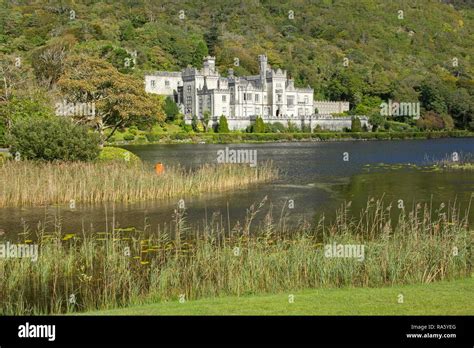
pixel 363 51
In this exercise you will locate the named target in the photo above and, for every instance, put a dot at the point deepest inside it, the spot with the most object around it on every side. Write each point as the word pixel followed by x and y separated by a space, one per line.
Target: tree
pixel 199 53
pixel 259 126
pixel 13 76
pixel 223 127
pixel 461 107
pixel 127 31
pixel 206 117
pixel 120 100
pixel 24 108
pixel 356 125
pixel 194 123
pixel 171 109
pixel 430 121
pixel 212 38
pixel 431 97
pixel 49 61
pixel 377 121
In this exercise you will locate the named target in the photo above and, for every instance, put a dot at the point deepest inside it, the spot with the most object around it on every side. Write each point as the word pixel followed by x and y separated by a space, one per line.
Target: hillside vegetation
pixel 364 51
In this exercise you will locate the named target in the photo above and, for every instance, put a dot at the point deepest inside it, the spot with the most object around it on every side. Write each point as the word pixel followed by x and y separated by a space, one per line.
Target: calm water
pixel 314 176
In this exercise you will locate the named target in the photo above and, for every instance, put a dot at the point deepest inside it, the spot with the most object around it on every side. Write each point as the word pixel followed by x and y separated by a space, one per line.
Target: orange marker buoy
pixel 159 168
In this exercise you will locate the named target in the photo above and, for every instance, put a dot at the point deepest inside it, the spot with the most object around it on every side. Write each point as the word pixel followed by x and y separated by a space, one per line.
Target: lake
pixel 316 177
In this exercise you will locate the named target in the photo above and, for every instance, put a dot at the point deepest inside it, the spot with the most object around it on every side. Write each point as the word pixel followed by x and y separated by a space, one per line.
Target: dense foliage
pixel 52 139
pixel 171 109
pixel 365 51
pixel 223 126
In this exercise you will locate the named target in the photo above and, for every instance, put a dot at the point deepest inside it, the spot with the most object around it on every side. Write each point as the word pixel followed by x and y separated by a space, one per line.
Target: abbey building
pixel 270 94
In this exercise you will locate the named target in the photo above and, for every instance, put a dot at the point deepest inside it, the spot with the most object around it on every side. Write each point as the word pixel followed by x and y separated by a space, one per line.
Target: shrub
pixel 200 127
pixel 179 136
pixel 4 156
pixel 223 127
pixel 276 127
pixel 356 125
pixel 306 128
pixel 187 128
pixel 128 137
pixel 292 127
pixel 110 153
pixel 152 137
pixel 259 126
pixel 317 129
pixel 133 130
pixel 53 139
pixel 2 133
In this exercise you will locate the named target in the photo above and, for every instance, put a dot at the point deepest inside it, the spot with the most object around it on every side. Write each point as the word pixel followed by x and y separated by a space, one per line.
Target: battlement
pixel 165 73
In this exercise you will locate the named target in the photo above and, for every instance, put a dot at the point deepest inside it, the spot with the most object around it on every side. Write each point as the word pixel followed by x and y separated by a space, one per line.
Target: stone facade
pixel 270 94
pixel 330 107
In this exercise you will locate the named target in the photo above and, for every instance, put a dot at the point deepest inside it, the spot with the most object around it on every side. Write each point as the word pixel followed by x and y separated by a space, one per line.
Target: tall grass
pixel 126 266
pixel 31 183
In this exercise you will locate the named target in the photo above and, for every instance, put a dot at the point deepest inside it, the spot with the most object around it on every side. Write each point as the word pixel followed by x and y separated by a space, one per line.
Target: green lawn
pixel 443 298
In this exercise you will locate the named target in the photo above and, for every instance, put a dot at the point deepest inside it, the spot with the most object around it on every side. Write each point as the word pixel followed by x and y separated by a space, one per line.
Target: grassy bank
pixel 441 298
pixel 123 267
pixel 36 183
pixel 240 137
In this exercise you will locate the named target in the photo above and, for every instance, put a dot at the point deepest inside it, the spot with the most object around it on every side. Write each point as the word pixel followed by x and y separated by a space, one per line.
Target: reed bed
pixel 125 266
pixel 31 183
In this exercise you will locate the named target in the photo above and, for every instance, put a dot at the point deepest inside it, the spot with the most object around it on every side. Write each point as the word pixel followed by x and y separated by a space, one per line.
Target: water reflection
pixel 314 177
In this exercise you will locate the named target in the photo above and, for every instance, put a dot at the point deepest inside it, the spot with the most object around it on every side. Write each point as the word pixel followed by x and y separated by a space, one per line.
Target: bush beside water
pixel 53 139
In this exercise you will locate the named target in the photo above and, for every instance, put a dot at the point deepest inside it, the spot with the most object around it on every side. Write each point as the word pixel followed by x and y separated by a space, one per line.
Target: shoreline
pixel 227 138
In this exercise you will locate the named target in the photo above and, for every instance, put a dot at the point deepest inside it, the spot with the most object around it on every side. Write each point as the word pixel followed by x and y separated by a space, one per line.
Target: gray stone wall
pixel 326 122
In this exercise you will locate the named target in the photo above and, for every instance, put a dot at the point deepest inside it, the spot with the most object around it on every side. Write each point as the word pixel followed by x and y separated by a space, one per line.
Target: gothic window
pixel 167 83
pixel 306 100
pixel 189 88
pixel 152 83
pixel 223 98
pixel 256 98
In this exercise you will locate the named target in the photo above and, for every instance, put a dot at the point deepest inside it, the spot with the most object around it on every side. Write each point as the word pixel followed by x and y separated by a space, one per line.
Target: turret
pixel 209 65
pixel 263 68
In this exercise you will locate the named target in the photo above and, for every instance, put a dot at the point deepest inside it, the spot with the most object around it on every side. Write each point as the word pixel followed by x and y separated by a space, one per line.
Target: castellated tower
pixel 263 68
pixel 209 65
